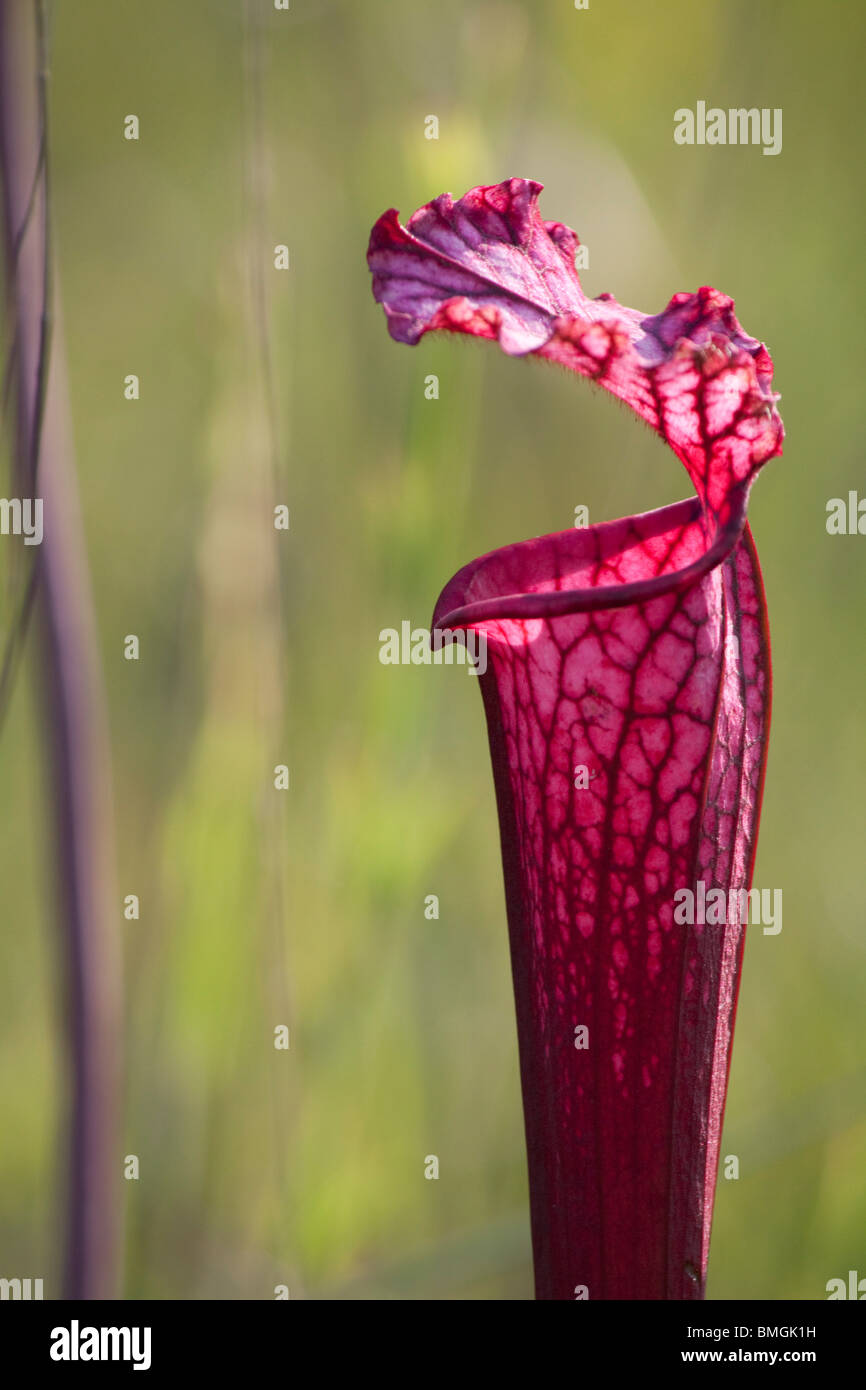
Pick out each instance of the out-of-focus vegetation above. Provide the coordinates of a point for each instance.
(306, 908)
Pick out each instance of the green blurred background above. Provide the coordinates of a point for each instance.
(306, 908)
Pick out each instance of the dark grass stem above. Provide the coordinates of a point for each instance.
(75, 722)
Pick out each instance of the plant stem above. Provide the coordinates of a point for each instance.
(74, 705)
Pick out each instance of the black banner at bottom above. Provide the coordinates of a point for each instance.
(153, 1338)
